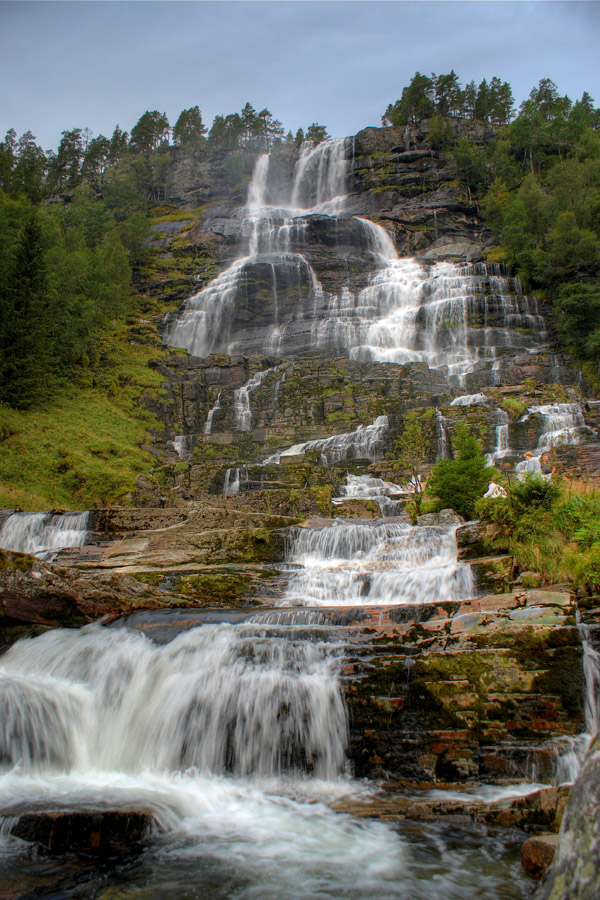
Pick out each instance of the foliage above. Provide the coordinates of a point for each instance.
(411, 447)
(457, 483)
(442, 95)
(189, 129)
(550, 529)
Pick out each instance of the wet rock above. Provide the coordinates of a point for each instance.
(105, 833)
(537, 854)
(471, 540)
(575, 870)
(444, 517)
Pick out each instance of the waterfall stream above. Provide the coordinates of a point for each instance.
(43, 534)
(382, 563)
(453, 317)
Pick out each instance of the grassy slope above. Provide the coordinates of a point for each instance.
(84, 448)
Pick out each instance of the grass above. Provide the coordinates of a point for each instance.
(85, 447)
(560, 539)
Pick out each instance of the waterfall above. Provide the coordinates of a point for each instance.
(442, 442)
(241, 399)
(364, 443)
(365, 487)
(43, 534)
(470, 400)
(222, 698)
(452, 317)
(355, 564)
(232, 482)
(211, 414)
(562, 423)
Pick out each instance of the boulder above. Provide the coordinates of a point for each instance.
(537, 853)
(105, 833)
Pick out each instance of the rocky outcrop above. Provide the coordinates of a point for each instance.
(483, 689)
(575, 870)
(90, 834)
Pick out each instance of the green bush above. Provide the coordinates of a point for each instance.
(458, 483)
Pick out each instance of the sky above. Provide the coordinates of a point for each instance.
(80, 64)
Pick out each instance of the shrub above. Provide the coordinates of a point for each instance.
(458, 483)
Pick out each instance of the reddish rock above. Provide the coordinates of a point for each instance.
(537, 853)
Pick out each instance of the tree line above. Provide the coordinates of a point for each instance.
(26, 169)
(443, 95)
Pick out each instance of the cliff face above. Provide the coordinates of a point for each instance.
(336, 285)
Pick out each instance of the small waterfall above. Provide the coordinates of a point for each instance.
(364, 443)
(320, 177)
(562, 423)
(502, 447)
(241, 399)
(211, 414)
(470, 400)
(243, 699)
(442, 441)
(232, 482)
(180, 444)
(355, 564)
(44, 534)
(365, 487)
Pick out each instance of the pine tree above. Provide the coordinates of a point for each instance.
(24, 329)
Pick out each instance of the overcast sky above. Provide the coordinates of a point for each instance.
(76, 64)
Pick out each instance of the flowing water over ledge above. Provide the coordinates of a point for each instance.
(215, 733)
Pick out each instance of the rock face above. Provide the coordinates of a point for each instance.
(472, 690)
(575, 870)
(96, 834)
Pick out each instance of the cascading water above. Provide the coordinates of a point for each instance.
(43, 534)
(220, 698)
(211, 414)
(365, 487)
(364, 443)
(241, 399)
(562, 423)
(200, 732)
(453, 317)
(355, 564)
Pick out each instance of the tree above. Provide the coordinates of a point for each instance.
(30, 168)
(65, 168)
(416, 103)
(24, 323)
(189, 129)
(579, 319)
(457, 483)
(150, 132)
(118, 145)
(96, 158)
(316, 133)
(501, 103)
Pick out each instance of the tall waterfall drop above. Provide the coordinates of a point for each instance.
(270, 300)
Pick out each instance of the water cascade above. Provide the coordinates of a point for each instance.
(562, 423)
(454, 317)
(219, 698)
(43, 534)
(241, 399)
(211, 414)
(364, 443)
(355, 564)
(365, 487)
